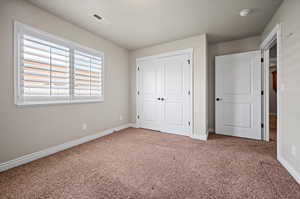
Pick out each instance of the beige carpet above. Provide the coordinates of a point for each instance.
(139, 164)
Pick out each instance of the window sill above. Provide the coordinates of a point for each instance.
(61, 102)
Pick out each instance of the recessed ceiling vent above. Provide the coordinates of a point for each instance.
(97, 17)
(245, 12)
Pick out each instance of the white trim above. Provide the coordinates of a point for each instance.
(168, 54)
(134, 125)
(266, 97)
(202, 137)
(276, 34)
(271, 37)
(290, 168)
(46, 152)
(189, 52)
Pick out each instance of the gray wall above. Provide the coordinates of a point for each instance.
(288, 14)
(237, 46)
(199, 44)
(29, 129)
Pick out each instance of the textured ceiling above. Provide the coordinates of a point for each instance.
(138, 23)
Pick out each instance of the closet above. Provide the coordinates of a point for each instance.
(164, 92)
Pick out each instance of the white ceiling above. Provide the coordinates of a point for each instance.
(138, 23)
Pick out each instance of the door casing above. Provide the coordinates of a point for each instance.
(275, 34)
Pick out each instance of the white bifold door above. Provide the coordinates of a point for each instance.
(164, 94)
(238, 95)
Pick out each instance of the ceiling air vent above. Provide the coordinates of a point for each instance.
(97, 16)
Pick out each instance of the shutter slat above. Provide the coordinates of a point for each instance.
(92, 89)
(42, 70)
(82, 80)
(30, 74)
(50, 55)
(44, 43)
(86, 56)
(38, 63)
(45, 86)
(36, 48)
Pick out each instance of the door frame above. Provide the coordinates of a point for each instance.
(275, 34)
(188, 52)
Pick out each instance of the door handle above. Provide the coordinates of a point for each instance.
(162, 99)
(219, 99)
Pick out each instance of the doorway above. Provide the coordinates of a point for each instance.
(273, 92)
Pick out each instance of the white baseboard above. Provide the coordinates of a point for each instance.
(46, 152)
(290, 168)
(134, 125)
(200, 137)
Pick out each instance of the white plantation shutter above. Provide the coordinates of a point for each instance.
(45, 68)
(52, 70)
(87, 75)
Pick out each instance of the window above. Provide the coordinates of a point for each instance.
(51, 70)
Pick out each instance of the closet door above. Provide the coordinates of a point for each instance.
(149, 104)
(164, 94)
(176, 93)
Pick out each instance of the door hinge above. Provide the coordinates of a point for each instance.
(189, 61)
(138, 69)
(189, 123)
(189, 92)
(138, 117)
(262, 125)
(262, 60)
(262, 92)
(138, 92)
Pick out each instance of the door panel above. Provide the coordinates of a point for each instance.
(237, 115)
(176, 84)
(238, 91)
(233, 82)
(174, 113)
(149, 107)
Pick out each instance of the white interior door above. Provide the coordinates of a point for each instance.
(238, 95)
(164, 94)
(149, 106)
(176, 94)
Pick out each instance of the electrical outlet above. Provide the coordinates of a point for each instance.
(121, 117)
(294, 151)
(84, 126)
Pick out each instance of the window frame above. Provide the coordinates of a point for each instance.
(20, 100)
